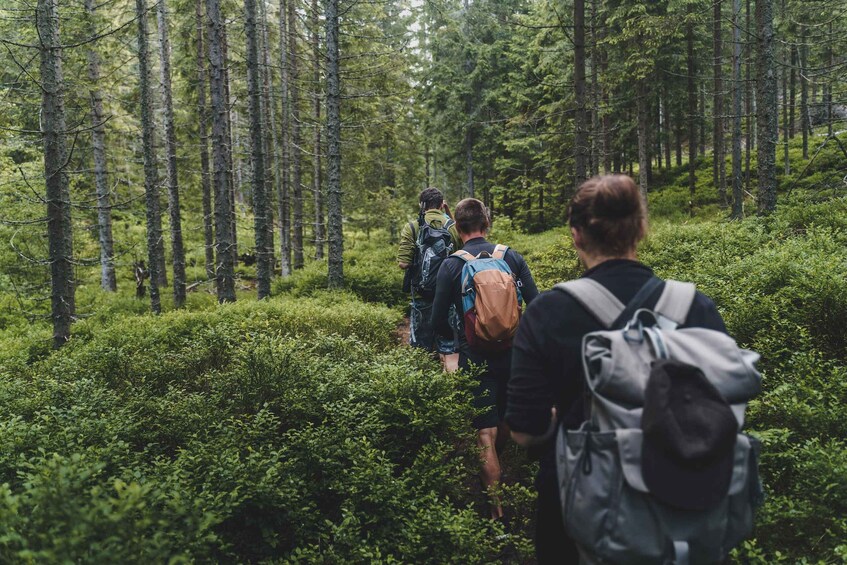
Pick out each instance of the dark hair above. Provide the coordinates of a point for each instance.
(610, 213)
(431, 198)
(471, 216)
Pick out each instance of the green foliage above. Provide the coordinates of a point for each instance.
(286, 429)
(370, 273)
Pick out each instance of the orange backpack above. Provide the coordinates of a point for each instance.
(491, 299)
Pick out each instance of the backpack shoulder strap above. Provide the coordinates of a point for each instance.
(676, 300)
(464, 255)
(499, 251)
(595, 298)
(449, 223)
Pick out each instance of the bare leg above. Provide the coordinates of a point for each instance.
(486, 439)
(450, 362)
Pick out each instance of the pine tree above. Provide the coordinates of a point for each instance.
(177, 249)
(108, 281)
(333, 127)
(151, 174)
(53, 131)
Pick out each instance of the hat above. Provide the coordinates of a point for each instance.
(689, 437)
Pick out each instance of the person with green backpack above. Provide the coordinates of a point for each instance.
(487, 283)
(634, 395)
(424, 245)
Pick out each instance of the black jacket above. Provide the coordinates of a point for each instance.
(546, 367)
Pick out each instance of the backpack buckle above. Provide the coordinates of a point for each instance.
(633, 332)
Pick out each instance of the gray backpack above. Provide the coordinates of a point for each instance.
(659, 472)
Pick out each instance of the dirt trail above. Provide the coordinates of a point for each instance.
(402, 331)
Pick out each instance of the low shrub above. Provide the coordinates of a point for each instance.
(281, 430)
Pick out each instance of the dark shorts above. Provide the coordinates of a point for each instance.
(421, 332)
(489, 394)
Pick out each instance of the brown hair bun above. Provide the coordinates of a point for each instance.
(610, 213)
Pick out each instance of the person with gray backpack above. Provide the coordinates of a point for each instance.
(634, 395)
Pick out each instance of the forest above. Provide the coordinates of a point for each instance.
(201, 315)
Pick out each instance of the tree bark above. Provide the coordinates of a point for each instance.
(151, 186)
(232, 162)
(177, 248)
(701, 122)
(257, 146)
(580, 117)
(766, 106)
(666, 120)
(108, 280)
(828, 85)
(269, 128)
(53, 131)
(785, 134)
(643, 109)
(333, 126)
(719, 169)
(748, 97)
(737, 192)
(296, 153)
(793, 92)
(594, 143)
(225, 271)
(203, 114)
(692, 116)
(316, 160)
(283, 197)
(804, 95)
(469, 162)
(658, 136)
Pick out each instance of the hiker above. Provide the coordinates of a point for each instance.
(473, 223)
(607, 218)
(423, 246)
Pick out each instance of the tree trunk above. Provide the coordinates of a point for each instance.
(643, 109)
(283, 197)
(804, 95)
(98, 144)
(225, 271)
(205, 181)
(658, 136)
(595, 98)
(151, 187)
(53, 131)
(232, 164)
(333, 127)
(678, 144)
(793, 92)
(257, 145)
(296, 153)
(737, 192)
(748, 97)
(692, 117)
(766, 106)
(719, 169)
(828, 85)
(580, 118)
(667, 135)
(785, 134)
(701, 122)
(316, 160)
(469, 162)
(269, 138)
(177, 249)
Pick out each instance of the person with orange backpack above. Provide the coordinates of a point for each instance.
(487, 284)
